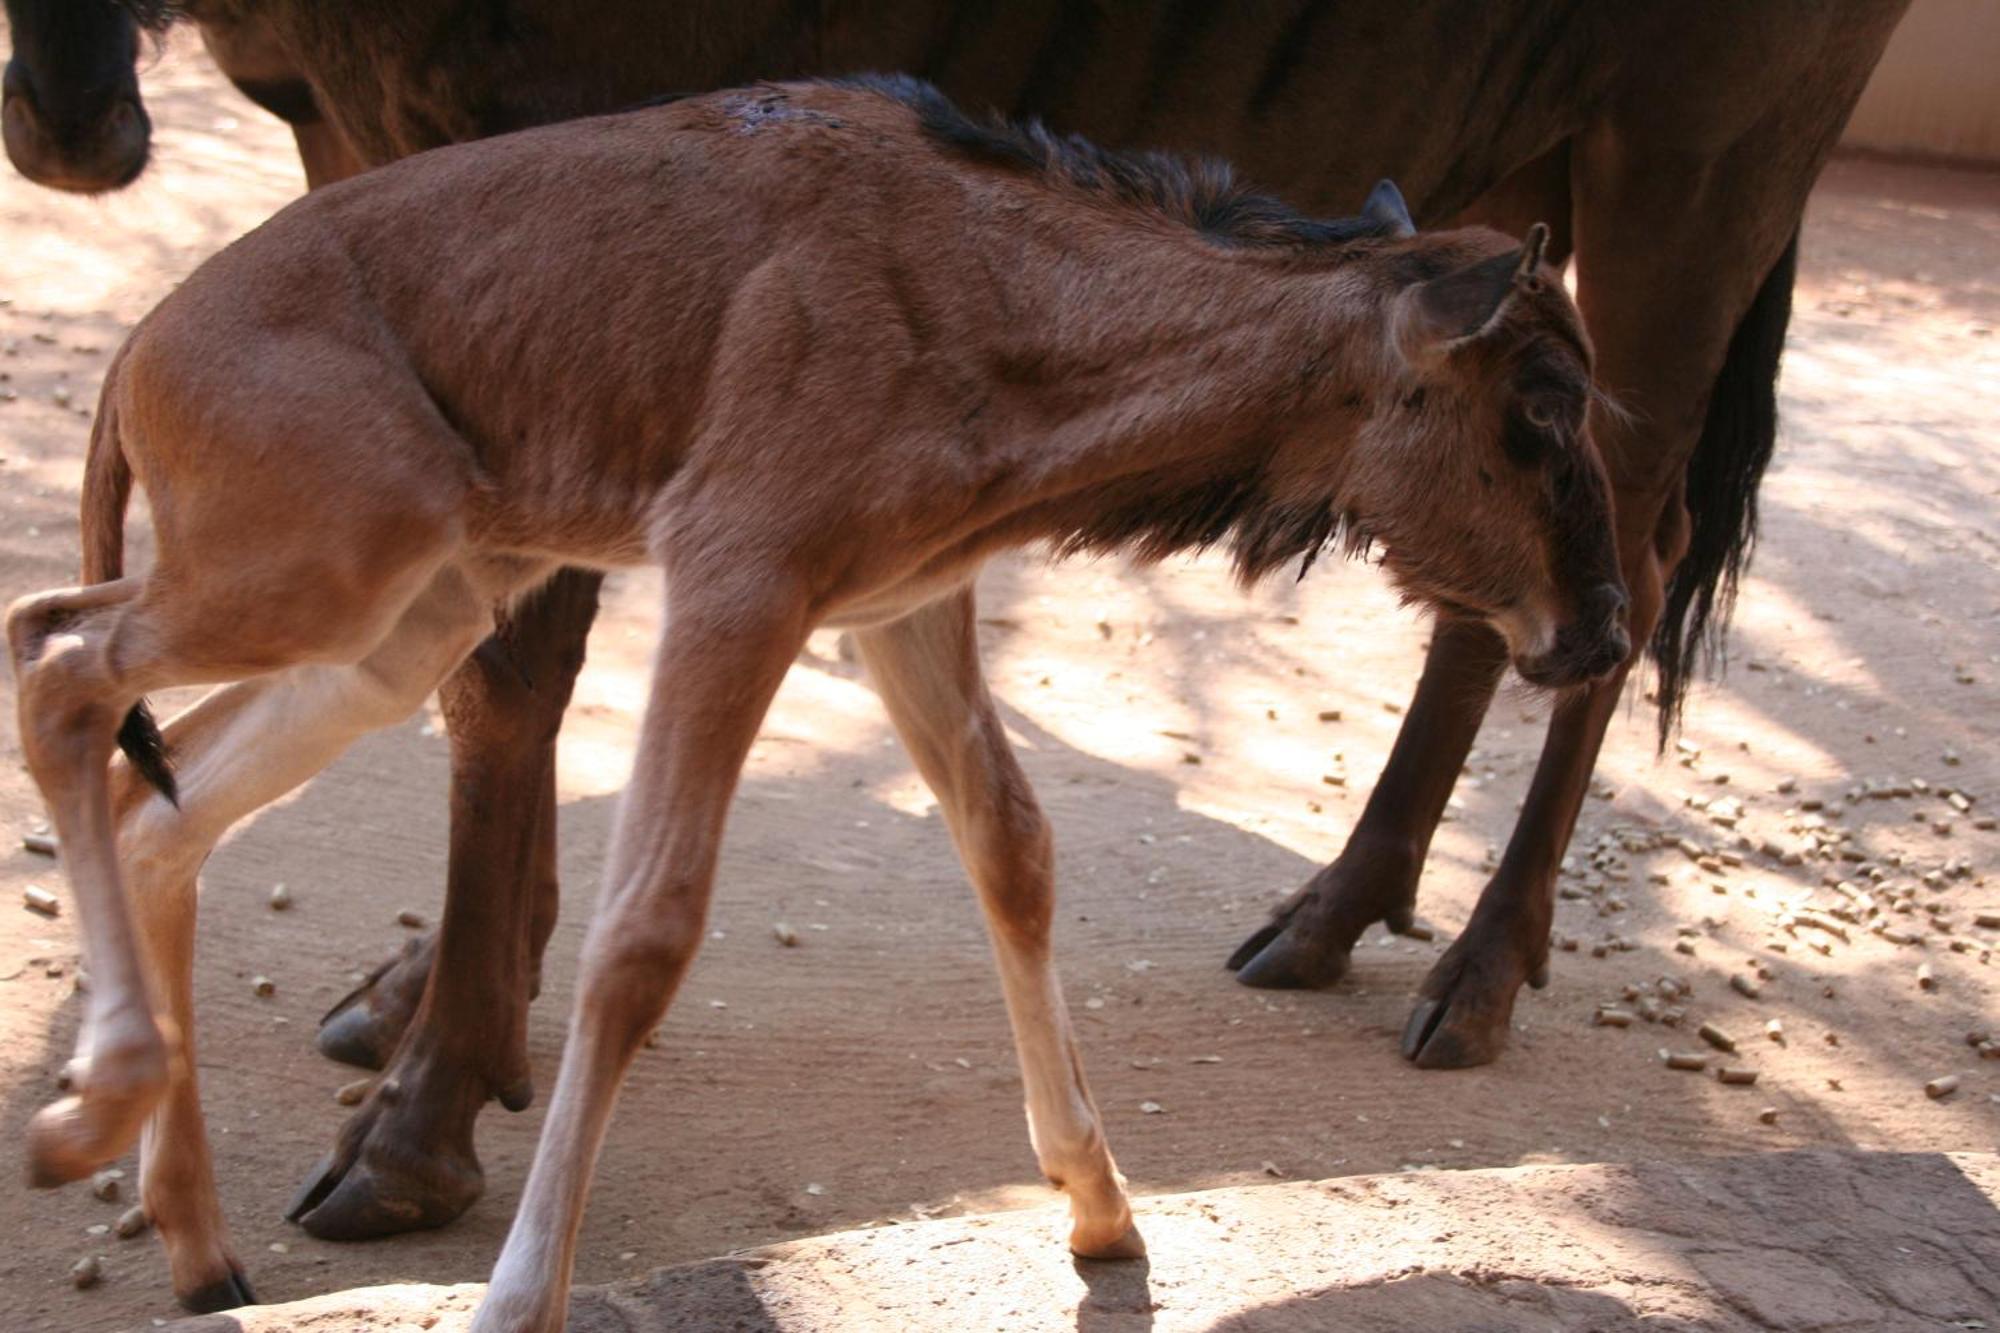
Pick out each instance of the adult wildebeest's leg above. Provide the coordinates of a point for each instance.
(730, 638)
(926, 667)
(502, 711)
(1716, 269)
(1310, 938)
(405, 1159)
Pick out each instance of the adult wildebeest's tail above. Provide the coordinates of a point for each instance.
(1722, 479)
(107, 487)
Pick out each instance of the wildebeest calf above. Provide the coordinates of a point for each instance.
(816, 351)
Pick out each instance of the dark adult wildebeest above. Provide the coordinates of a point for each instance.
(360, 439)
(1672, 147)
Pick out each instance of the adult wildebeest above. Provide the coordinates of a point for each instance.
(628, 341)
(1671, 146)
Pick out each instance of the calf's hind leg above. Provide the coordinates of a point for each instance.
(926, 667)
(235, 752)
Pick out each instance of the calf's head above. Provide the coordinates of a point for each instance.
(1475, 470)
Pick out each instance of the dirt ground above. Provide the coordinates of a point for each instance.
(1173, 728)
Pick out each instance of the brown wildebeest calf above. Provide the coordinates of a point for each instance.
(816, 351)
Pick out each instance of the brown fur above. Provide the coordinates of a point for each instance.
(638, 340)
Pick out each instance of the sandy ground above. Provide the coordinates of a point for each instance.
(1173, 728)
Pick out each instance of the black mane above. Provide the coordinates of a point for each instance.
(1201, 193)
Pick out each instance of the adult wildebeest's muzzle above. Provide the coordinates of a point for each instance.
(103, 146)
(1588, 646)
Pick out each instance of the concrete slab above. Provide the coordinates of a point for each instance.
(1792, 1241)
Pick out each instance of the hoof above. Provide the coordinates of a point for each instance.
(230, 1293)
(389, 1174)
(1309, 942)
(365, 1025)
(1462, 1014)
(1128, 1245)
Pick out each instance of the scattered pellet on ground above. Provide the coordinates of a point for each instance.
(263, 987)
(1685, 1060)
(130, 1223)
(1716, 1037)
(351, 1094)
(104, 1186)
(85, 1272)
(40, 900)
(1608, 1016)
(42, 844)
(280, 899)
(413, 920)
(1736, 1076)
(785, 935)
(1744, 986)
(1768, 1116)
(1942, 1087)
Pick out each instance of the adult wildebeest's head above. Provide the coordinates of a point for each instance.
(1476, 472)
(69, 101)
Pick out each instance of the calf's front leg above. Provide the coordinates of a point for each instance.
(926, 667)
(728, 645)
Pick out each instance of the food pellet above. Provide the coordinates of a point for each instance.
(351, 1094)
(1686, 1060)
(1608, 1017)
(1926, 978)
(785, 935)
(263, 986)
(1736, 1076)
(280, 899)
(1716, 1037)
(1941, 1087)
(42, 844)
(1768, 1116)
(85, 1272)
(130, 1223)
(1744, 986)
(37, 899)
(412, 920)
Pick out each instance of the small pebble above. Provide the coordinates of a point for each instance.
(130, 1223)
(411, 920)
(104, 1186)
(85, 1272)
(280, 899)
(1151, 1108)
(40, 900)
(1941, 1087)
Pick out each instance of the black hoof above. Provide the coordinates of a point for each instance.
(231, 1293)
(1284, 963)
(1462, 1014)
(362, 1201)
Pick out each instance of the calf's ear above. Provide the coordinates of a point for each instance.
(1434, 318)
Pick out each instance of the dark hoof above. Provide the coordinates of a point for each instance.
(1283, 962)
(231, 1293)
(365, 1025)
(1462, 1014)
(364, 1190)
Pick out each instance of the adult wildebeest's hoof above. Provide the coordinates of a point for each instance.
(403, 1161)
(229, 1293)
(365, 1025)
(1309, 941)
(1466, 1003)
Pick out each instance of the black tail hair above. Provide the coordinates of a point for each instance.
(1722, 477)
(139, 737)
